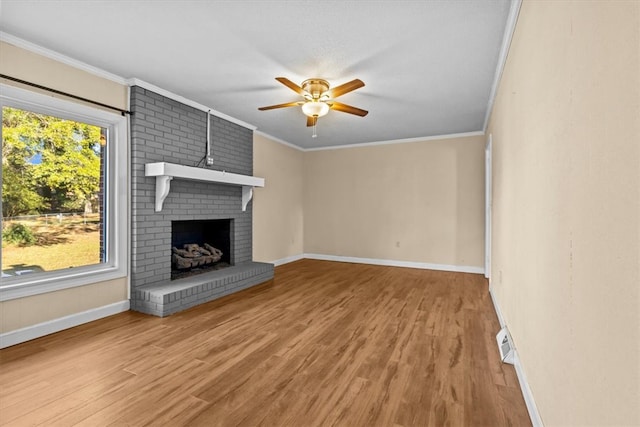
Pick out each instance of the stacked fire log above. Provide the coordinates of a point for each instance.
(194, 255)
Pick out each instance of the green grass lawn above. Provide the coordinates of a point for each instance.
(73, 243)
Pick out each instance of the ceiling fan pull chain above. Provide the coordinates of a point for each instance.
(315, 135)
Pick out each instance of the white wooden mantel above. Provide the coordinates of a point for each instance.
(165, 172)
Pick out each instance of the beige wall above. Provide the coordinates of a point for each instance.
(419, 202)
(277, 208)
(26, 65)
(566, 212)
(23, 312)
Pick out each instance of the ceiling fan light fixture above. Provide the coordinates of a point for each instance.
(319, 99)
(315, 108)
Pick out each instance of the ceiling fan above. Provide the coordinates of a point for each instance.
(319, 98)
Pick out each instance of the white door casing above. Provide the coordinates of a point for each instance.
(487, 204)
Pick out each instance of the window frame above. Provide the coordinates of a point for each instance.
(116, 196)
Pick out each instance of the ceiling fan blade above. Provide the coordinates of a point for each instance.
(311, 121)
(271, 107)
(345, 88)
(338, 106)
(291, 85)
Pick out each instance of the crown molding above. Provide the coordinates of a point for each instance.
(369, 144)
(278, 140)
(399, 141)
(509, 29)
(48, 53)
(186, 101)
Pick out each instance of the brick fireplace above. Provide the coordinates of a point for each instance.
(165, 130)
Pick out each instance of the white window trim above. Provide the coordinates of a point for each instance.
(117, 214)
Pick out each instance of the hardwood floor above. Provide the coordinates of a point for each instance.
(323, 344)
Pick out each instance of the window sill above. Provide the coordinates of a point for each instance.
(26, 286)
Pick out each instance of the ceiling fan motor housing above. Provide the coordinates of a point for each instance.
(315, 87)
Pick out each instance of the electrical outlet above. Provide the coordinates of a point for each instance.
(209, 160)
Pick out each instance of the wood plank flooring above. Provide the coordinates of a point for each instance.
(323, 344)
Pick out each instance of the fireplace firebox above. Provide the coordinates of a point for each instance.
(199, 246)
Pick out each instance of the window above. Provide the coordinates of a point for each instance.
(64, 197)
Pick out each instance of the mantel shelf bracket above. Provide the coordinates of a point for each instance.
(247, 195)
(163, 185)
(165, 172)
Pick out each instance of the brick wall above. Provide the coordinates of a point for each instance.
(164, 130)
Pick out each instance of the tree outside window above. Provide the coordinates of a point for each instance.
(52, 192)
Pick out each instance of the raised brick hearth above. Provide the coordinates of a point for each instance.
(163, 299)
(164, 130)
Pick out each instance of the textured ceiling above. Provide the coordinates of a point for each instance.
(428, 66)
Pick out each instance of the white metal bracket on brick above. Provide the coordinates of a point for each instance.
(165, 172)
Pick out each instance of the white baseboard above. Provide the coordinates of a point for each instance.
(287, 260)
(45, 328)
(526, 392)
(496, 306)
(396, 263)
(536, 420)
